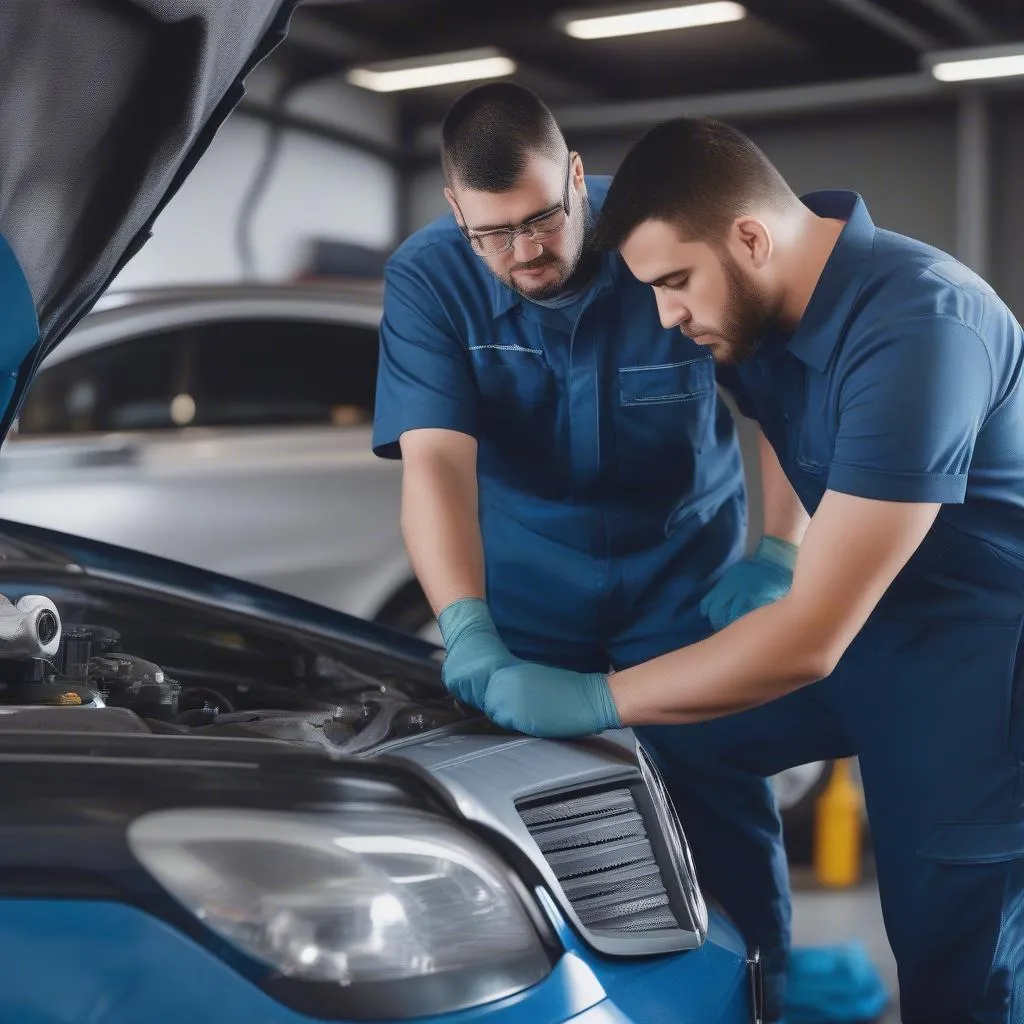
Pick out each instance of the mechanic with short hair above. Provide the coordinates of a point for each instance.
(887, 377)
(572, 485)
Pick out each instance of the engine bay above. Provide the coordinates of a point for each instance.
(49, 664)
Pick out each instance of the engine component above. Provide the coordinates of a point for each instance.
(30, 629)
(129, 682)
(51, 666)
(72, 660)
(369, 719)
(30, 634)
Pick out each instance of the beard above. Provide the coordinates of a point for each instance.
(748, 313)
(569, 270)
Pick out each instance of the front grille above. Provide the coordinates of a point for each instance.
(597, 845)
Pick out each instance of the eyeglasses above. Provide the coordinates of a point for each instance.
(544, 225)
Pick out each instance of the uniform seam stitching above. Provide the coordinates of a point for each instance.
(661, 366)
(685, 396)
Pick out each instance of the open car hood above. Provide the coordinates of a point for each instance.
(105, 108)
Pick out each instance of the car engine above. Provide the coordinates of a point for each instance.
(48, 666)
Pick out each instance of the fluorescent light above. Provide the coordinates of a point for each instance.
(662, 19)
(980, 67)
(971, 65)
(423, 72)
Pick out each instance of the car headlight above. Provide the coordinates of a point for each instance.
(366, 897)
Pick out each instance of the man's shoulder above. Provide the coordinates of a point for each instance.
(437, 253)
(910, 279)
(440, 234)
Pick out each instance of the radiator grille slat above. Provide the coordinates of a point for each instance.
(598, 848)
(590, 832)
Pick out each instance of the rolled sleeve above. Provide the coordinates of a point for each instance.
(424, 379)
(911, 405)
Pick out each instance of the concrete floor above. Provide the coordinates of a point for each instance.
(826, 916)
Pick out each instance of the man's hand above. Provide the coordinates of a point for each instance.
(852, 552)
(755, 581)
(550, 702)
(475, 651)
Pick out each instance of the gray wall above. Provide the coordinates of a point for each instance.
(1007, 267)
(426, 200)
(318, 188)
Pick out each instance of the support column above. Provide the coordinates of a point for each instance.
(973, 181)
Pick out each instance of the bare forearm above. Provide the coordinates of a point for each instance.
(441, 527)
(784, 515)
(757, 658)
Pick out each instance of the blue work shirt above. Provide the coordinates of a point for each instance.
(599, 431)
(902, 382)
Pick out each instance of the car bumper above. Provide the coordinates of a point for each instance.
(71, 961)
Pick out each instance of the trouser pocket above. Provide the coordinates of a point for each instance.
(962, 945)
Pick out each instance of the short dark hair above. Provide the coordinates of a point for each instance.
(488, 134)
(695, 173)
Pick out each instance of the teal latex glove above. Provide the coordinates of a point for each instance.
(475, 651)
(755, 581)
(550, 702)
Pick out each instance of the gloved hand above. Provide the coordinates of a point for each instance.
(755, 581)
(475, 651)
(544, 701)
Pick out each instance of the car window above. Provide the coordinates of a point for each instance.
(263, 372)
(130, 385)
(225, 373)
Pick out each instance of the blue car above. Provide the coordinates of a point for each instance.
(223, 804)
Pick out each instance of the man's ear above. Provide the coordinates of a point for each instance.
(752, 241)
(577, 170)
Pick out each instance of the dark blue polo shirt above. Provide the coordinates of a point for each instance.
(598, 429)
(902, 382)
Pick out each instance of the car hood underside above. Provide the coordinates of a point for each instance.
(105, 108)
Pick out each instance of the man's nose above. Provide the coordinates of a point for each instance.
(524, 249)
(671, 311)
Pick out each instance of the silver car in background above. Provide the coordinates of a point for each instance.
(229, 428)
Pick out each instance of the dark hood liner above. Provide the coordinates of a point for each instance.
(105, 107)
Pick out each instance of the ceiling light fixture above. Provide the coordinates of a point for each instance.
(424, 72)
(661, 19)
(977, 64)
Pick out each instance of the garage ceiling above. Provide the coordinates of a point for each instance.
(779, 43)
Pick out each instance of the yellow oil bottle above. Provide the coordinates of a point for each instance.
(838, 828)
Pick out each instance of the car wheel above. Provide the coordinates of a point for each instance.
(408, 611)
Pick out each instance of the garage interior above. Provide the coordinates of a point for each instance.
(327, 165)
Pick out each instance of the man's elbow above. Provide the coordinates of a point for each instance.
(818, 657)
(816, 649)
(818, 663)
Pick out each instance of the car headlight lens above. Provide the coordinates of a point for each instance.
(365, 897)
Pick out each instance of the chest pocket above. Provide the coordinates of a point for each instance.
(665, 419)
(667, 383)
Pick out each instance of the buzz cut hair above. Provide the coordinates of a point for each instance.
(490, 132)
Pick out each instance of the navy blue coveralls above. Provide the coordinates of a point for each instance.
(902, 382)
(610, 483)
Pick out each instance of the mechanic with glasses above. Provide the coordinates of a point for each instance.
(573, 491)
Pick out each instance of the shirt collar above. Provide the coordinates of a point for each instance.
(504, 298)
(832, 300)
